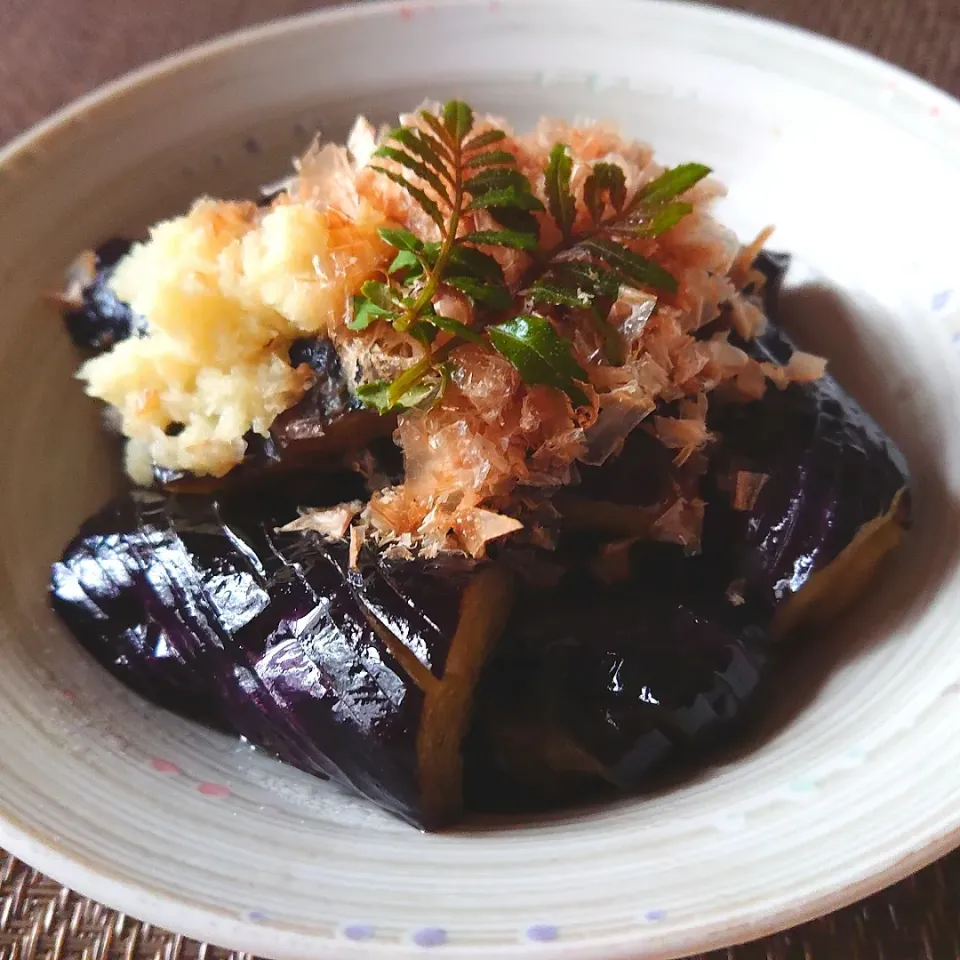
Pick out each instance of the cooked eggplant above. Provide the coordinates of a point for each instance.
(95, 317)
(805, 494)
(362, 675)
(606, 686)
(831, 497)
(326, 430)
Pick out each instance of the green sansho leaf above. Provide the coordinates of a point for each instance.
(560, 200)
(414, 165)
(612, 340)
(425, 331)
(490, 158)
(364, 313)
(449, 325)
(448, 172)
(519, 221)
(471, 262)
(484, 139)
(432, 153)
(597, 280)
(606, 184)
(379, 294)
(507, 197)
(497, 178)
(515, 239)
(637, 270)
(405, 260)
(549, 291)
(428, 205)
(491, 294)
(376, 395)
(458, 119)
(540, 354)
(401, 239)
(671, 183)
(662, 218)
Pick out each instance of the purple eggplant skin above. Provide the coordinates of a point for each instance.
(606, 687)
(203, 607)
(101, 319)
(831, 471)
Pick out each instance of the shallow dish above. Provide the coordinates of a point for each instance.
(853, 785)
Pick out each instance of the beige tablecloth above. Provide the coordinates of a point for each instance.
(51, 51)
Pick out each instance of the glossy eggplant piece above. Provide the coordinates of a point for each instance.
(327, 430)
(605, 687)
(365, 675)
(97, 319)
(834, 499)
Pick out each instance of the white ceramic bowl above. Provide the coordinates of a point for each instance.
(856, 784)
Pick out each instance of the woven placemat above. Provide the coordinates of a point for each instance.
(51, 51)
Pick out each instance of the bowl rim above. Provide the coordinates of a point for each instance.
(96, 882)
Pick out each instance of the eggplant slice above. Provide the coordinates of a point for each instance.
(606, 687)
(365, 676)
(326, 430)
(830, 495)
(834, 499)
(94, 316)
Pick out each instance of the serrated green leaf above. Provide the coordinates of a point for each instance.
(606, 184)
(431, 151)
(415, 166)
(470, 262)
(540, 354)
(405, 260)
(655, 221)
(560, 200)
(671, 183)
(434, 123)
(665, 217)
(509, 197)
(491, 294)
(449, 325)
(365, 312)
(547, 291)
(631, 265)
(514, 239)
(424, 331)
(429, 206)
(519, 221)
(612, 340)
(596, 279)
(457, 119)
(379, 294)
(376, 395)
(490, 159)
(497, 178)
(445, 370)
(401, 239)
(484, 139)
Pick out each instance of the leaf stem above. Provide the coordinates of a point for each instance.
(413, 375)
(433, 278)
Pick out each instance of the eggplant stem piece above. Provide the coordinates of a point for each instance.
(484, 610)
(833, 589)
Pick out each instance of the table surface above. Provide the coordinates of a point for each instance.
(52, 51)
